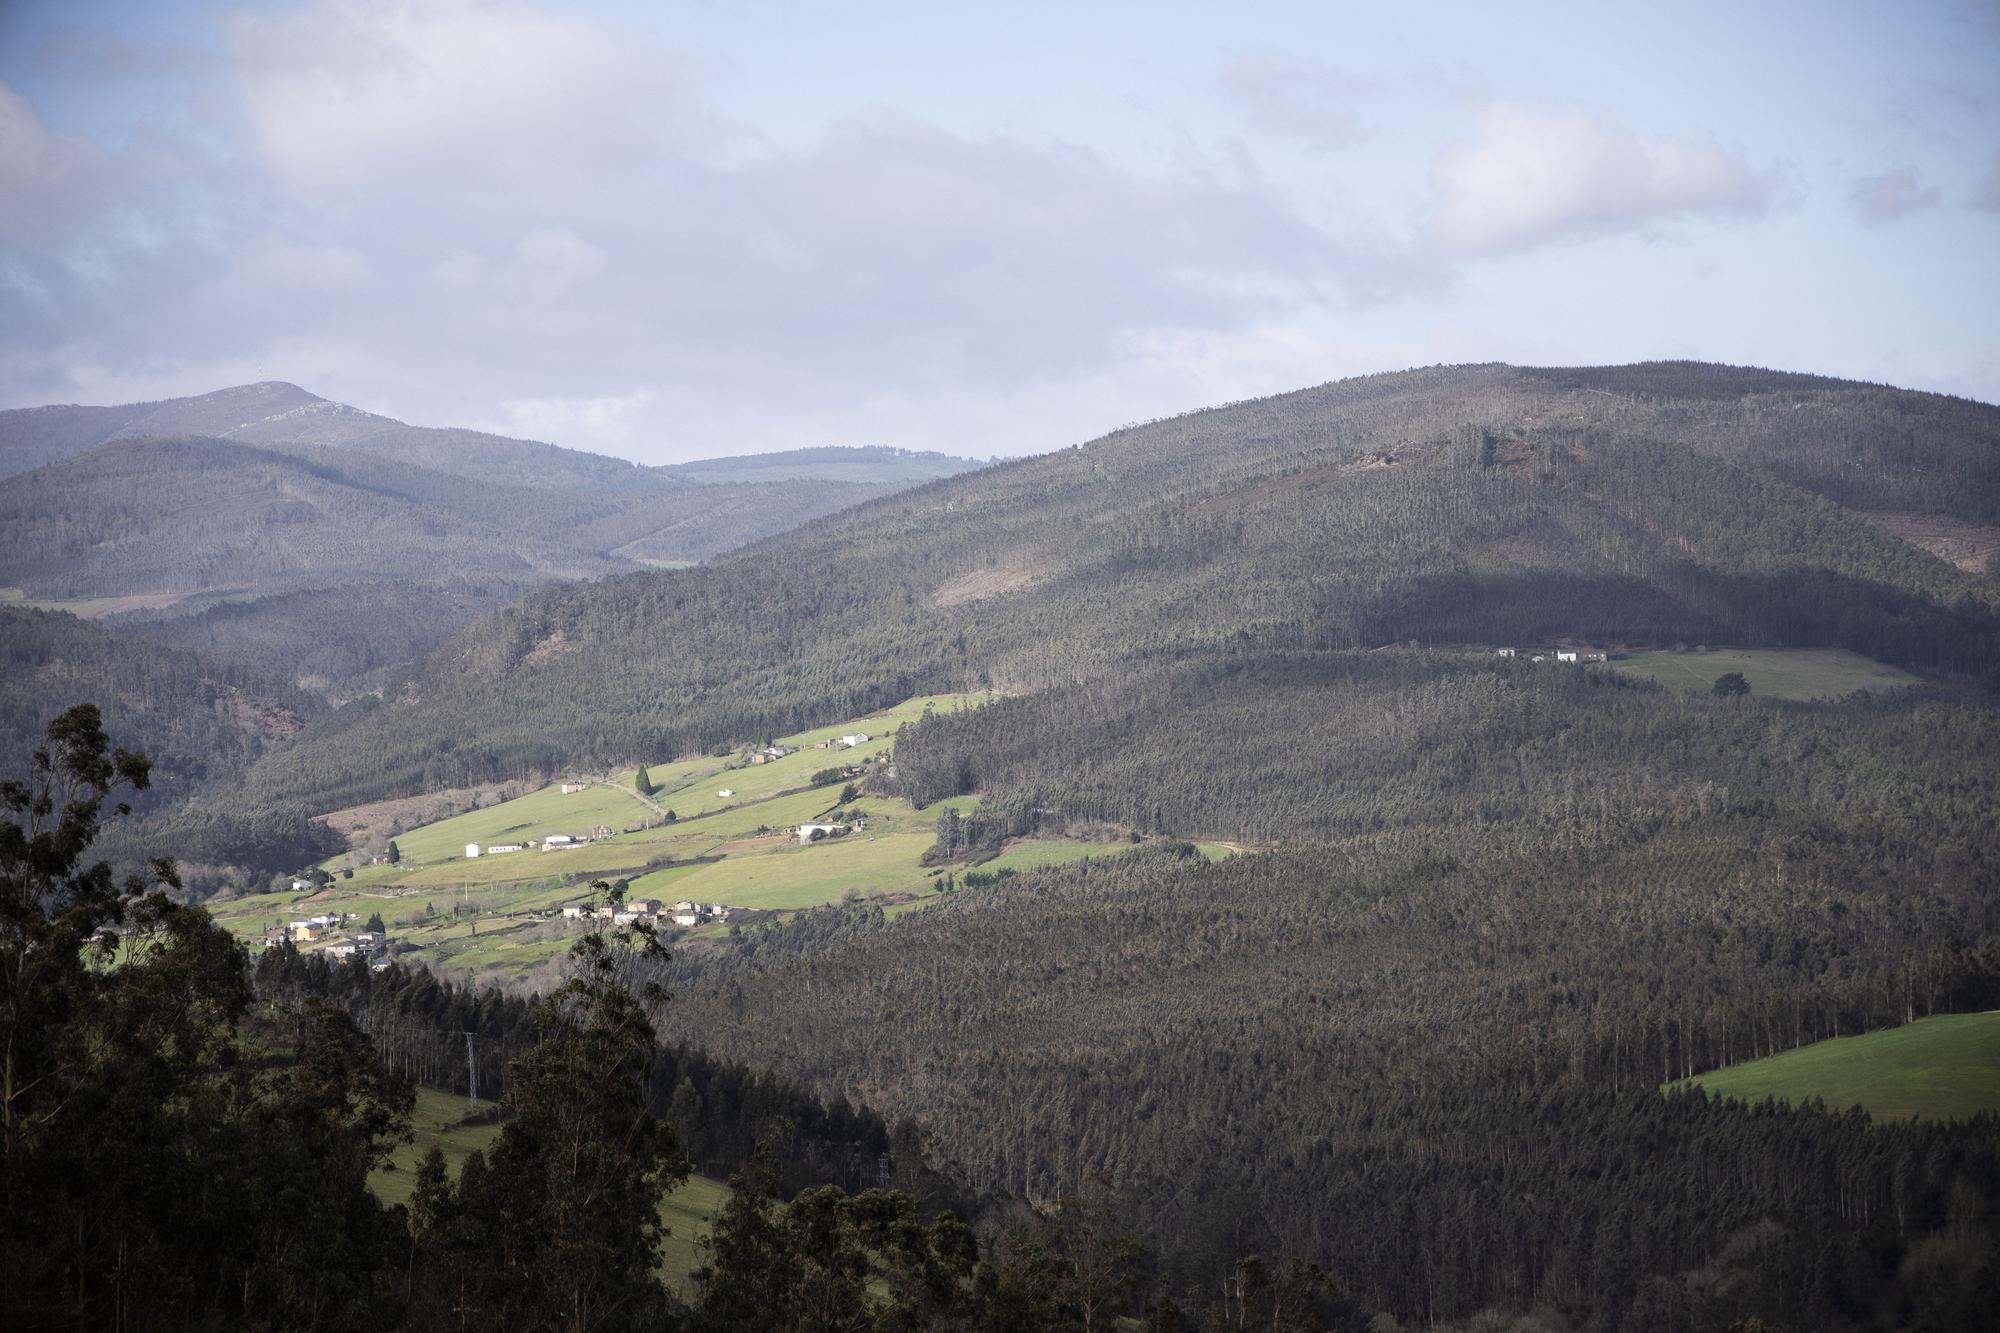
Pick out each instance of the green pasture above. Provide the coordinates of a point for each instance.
(807, 875)
(437, 1121)
(687, 1212)
(1941, 1068)
(1776, 673)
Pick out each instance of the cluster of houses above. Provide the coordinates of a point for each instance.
(1561, 655)
(847, 742)
(553, 842)
(682, 913)
(324, 930)
(770, 753)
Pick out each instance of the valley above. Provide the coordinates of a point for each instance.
(1160, 822)
(499, 916)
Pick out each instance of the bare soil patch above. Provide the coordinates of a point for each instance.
(1967, 545)
(979, 584)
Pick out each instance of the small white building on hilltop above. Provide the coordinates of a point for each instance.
(471, 850)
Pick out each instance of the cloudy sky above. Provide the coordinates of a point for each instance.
(669, 230)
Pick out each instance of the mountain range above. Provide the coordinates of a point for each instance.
(268, 525)
(1660, 503)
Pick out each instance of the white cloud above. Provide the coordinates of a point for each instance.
(45, 176)
(1296, 99)
(493, 94)
(1877, 200)
(1530, 177)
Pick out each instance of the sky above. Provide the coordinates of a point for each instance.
(677, 230)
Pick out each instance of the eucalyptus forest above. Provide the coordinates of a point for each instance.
(1410, 912)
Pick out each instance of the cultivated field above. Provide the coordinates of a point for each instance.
(1776, 673)
(497, 917)
(1941, 1068)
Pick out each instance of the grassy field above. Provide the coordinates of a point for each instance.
(1777, 673)
(1941, 1068)
(92, 608)
(493, 917)
(436, 1121)
(687, 1212)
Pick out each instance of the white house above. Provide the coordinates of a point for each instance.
(301, 885)
(1565, 654)
(471, 850)
(569, 788)
(854, 738)
(1503, 652)
(806, 831)
(576, 911)
(495, 848)
(726, 791)
(557, 840)
(687, 918)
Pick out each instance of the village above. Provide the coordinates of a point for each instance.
(696, 848)
(1564, 655)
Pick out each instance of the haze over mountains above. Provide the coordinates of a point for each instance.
(265, 523)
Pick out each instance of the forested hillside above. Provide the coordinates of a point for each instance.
(202, 720)
(1478, 505)
(280, 529)
(1416, 1034)
(1407, 1048)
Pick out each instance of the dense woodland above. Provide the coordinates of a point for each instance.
(1403, 1055)
(184, 1148)
(1469, 505)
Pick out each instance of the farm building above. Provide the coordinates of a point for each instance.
(471, 850)
(569, 788)
(726, 791)
(854, 738)
(555, 840)
(1503, 652)
(1565, 654)
(495, 848)
(807, 831)
(576, 911)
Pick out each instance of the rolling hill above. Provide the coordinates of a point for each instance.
(1415, 1032)
(1469, 505)
(265, 523)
